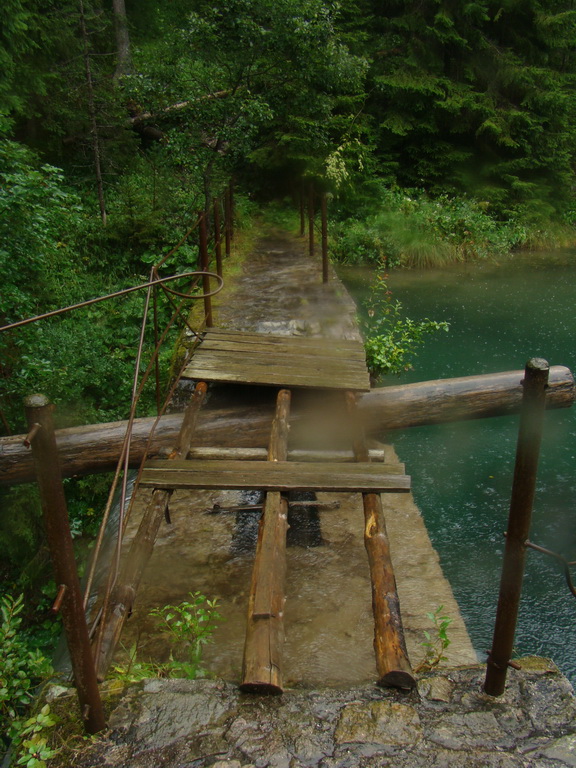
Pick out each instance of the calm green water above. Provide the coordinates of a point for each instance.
(462, 473)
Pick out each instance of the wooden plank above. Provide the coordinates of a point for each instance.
(221, 334)
(280, 361)
(281, 353)
(270, 476)
(262, 662)
(392, 660)
(243, 346)
(255, 454)
(272, 378)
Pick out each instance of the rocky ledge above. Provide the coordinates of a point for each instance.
(447, 721)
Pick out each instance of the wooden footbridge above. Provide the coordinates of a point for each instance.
(286, 363)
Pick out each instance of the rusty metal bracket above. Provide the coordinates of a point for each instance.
(561, 559)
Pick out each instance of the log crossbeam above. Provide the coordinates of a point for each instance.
(262, 664)
(392, 662)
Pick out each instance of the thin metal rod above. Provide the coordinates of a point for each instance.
(562, 560)
(45, 453)
(114, 295)
(519, 519)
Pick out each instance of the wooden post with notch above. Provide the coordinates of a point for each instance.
(392, 663)
(262, 666)
(45, 452)
(124, 592)
(519, 519)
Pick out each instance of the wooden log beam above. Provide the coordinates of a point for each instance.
(392, 662)
(124, 592)
(96, 447)
(262, 664)
(459, 399)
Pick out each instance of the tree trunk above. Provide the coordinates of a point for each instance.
(122, 39)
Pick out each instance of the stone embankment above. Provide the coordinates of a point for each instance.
(448, 721)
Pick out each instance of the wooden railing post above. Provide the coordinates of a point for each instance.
(302, 206)
(217, 236)
(311, 219)
(228, 221)
(45, 453)
(204, 263)
(324, 209)
(523, 489)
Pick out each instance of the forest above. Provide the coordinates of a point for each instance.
(440, 130)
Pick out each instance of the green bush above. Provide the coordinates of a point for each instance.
(408, 228)
(391, 338)
(22, 668)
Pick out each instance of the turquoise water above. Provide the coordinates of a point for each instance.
(462, 473)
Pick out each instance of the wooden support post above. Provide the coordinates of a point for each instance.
(302, 206)
(124, 592)
(205, 263)
(520, 515)
(324, 209)
(311, 220)
(262, 666)
(45, 454)
(217, 236)
(228, 221)
(392, 663)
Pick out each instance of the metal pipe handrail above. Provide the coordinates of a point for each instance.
(123, 292)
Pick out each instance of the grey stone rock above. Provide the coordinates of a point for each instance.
(562, 749)
(469, 730)
(436, 688)
(380, 722)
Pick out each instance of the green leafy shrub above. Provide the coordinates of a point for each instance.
(22, 668)
(409, 228)
(437, 641)
(391, 338)
(189, 625)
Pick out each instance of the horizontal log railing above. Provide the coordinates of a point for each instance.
(96, 447)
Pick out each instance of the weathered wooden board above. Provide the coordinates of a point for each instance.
(272, 476)
(290, 361)
(325, 350)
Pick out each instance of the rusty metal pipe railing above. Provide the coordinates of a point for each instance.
(116, 294)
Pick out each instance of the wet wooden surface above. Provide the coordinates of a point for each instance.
(290, 361)
(275, 476)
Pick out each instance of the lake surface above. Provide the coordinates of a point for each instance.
(500, 316)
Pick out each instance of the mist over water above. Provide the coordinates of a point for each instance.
(499, 317)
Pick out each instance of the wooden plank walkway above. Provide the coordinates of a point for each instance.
(275, 476)
(287, 361)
